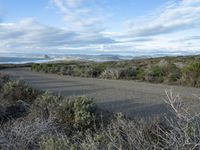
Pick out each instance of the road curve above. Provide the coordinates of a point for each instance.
(132, 98)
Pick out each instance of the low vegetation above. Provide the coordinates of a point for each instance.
(191, 74)
(169, 70)
(12, 91)
(44, 121)
(4, 66)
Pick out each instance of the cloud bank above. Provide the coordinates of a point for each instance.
(175, 27)
(176, 16)
(29, 35)
(78, 16)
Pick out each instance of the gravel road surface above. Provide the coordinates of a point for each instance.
(132, 98)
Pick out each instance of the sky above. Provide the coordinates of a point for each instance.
(99, 27)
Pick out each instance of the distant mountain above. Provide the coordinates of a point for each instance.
(37, 58)
(98, 58)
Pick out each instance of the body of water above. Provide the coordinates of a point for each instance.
(21, 60)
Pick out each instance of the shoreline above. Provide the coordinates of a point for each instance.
(62, 60)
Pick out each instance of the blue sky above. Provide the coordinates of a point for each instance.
(99, 26)
(15, 10)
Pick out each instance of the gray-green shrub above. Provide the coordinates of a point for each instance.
(12, 91)
(156, 74)
(3, 79)
(156, 70)
(78, 111)
(191, 74)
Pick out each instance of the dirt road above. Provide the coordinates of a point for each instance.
(130, 97)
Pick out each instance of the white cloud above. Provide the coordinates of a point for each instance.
(28, 35)
(79, 17)
(175, 17)
(172, 28)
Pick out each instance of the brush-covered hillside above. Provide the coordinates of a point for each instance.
(182, 70)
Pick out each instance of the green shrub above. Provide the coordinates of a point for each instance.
(46, 68)
(97, 69)
(84, 109)
(3, 79)
(113, 73)
(65, 111)
(36, 67)
(119, 73)
(66, 70)
(46, 99)
(156, 74)
(140, 75)
(130, 72)
(77, 71)
(13, 91)
(167, 72)
(191, 74)
(44, 106)
(173, 73)
(78, 111)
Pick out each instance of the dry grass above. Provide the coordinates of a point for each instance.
(180, 132)
(23, 135)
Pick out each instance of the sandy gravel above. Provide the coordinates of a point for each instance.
(130, 97)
